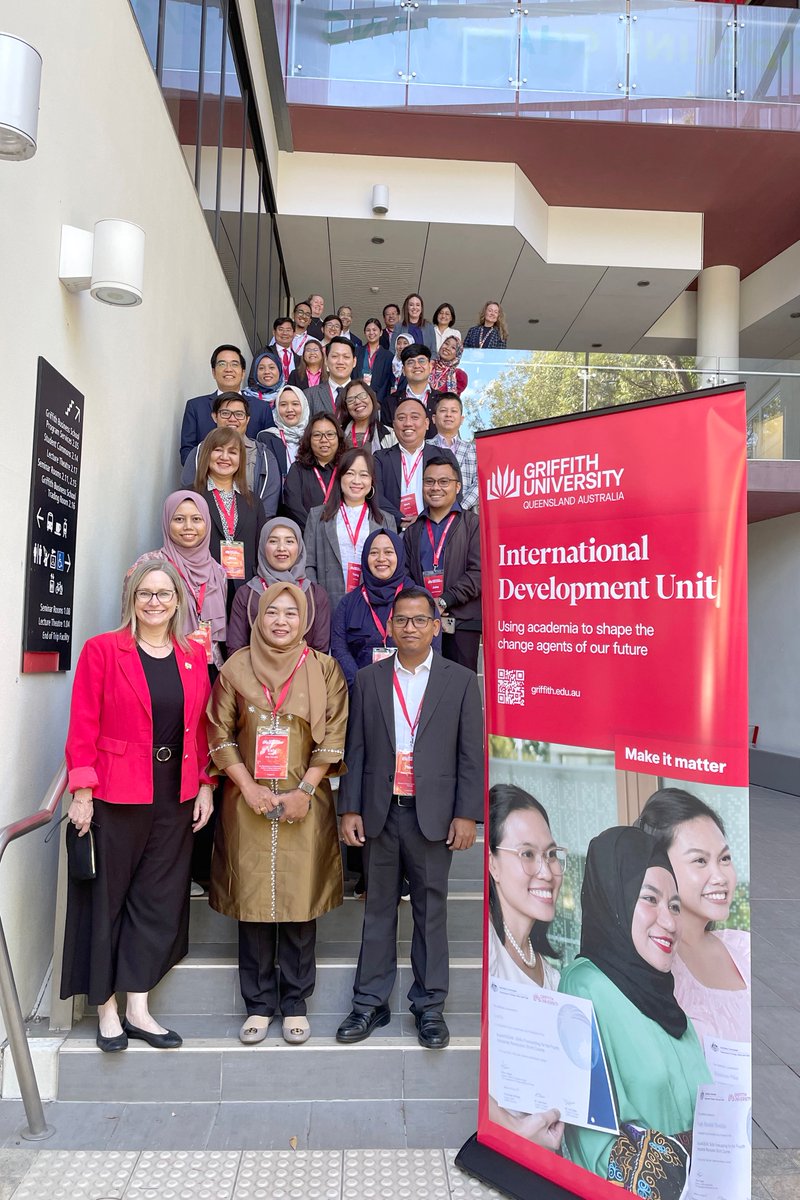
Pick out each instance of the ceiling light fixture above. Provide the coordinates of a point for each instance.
(597, 345)
(533, 320)
(643, 283)
(20, 81)
(794, 316)
(376, 241)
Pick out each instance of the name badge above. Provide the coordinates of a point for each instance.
(367, 376)
(381, 652)
(231, 556)
(408, 506)
(404, 773)
(353, 576)
(434, 582)
(202, 635)
(272, 754)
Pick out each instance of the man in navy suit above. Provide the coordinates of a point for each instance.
(228, 367)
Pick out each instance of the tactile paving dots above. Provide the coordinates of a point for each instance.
(290, 1175)
(464, 1187)
(77, 1175)
(395, 1175)
(184, 1175)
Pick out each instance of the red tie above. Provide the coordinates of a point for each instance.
(286, 361)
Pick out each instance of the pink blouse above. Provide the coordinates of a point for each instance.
(717, 1011)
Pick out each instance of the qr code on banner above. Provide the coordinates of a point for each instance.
(510, 686)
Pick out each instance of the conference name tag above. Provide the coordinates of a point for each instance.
(353, 576)
(202, 635)
(381, 652)
(231, 556)
(434, 582)
(404, 773)
(408, 506)
(272, 754)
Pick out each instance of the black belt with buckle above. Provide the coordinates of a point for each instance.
(163, 754)
(404, 801)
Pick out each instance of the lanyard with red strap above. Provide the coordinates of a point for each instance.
(354, 437)
(378, 625)
(353, 536)
(438, 547)
(409, 475)
(228, 517)
(198, 596)
(399, 693)
(326, 491)
(371, 357)
(285, 689)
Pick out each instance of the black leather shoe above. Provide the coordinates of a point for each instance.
(432, 1031)
(161, 1041)
(113, 1044)
(359, 1025)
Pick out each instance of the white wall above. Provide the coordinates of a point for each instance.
(106, 149)
(774, 569)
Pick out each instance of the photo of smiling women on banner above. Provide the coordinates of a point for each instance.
(526, 868)
(712, 966)
(629, 937)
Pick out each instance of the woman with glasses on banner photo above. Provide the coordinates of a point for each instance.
(712, 966)
(526, 870)
(630, 930)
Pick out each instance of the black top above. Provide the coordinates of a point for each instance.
(166, 698)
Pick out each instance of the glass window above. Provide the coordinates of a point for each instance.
(146, 13)
(181, 71)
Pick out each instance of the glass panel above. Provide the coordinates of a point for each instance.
(247, 294)
(463, 54)
(335, 50)
(181, 69)
(213, 104)
(264, 314)
(768, 52)
(572, 49)
(146, 13)
(681, 50)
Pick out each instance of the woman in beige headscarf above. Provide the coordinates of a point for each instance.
(277, 719)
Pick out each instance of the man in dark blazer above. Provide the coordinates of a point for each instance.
(412, 795)
(399, 470)
(345, 315)
(228, 367)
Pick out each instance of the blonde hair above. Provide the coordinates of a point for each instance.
(501, 326)
(178, 620)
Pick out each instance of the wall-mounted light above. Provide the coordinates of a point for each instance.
(380, 198)
(20, 80)
(109, 262)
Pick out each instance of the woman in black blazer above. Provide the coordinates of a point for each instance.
(310, 478)
(374, 363)
(236, 517)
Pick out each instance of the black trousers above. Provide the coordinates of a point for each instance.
(462, 647)
(277, 966)
(401, 849)
(129, 926)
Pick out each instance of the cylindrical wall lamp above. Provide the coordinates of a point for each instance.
(20, 79)
(118, 263)
(380, 198)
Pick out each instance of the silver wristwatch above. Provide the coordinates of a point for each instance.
(308, 788)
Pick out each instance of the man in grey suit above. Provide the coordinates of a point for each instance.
(411, 796)
(341, 360)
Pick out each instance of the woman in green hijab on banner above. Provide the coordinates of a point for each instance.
(629, 936)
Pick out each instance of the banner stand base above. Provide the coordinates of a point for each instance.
(497, 1171)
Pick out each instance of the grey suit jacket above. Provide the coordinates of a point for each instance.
(448, 749)
(319, 400)
(323, 560)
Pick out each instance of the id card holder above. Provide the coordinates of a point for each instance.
(408, 507)
(404, 773)
(231, 556)
(366, 376)
(434, 582)
(381, 652)
(202, 635)
(353, 576)
(272, 753)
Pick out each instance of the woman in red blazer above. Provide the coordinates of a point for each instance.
(137, 756)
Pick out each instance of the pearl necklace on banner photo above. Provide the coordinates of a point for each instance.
(530, 961)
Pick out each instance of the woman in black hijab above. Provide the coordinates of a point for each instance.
(629, 936)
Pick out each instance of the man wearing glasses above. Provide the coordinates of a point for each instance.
(228, 367)
(411, 796)
(232, 411)
(443, 552)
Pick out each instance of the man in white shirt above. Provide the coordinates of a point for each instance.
(399, 469)
(345, 315)
(302, 320)
(448, 417)
(341, 360)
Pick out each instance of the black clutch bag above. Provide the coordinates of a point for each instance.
(81, 852)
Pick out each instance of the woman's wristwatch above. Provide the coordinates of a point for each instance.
(308, 788)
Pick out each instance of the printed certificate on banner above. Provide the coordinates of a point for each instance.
(721, 1146)
(730, 1063)
(545, 1053)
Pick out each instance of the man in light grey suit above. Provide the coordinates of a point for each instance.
(341, 360)
(412, 794)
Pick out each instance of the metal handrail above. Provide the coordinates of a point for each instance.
(37, 1129)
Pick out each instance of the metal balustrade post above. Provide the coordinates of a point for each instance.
(37, 1128)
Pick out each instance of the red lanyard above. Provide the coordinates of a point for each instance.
(354, 437)
(299, 349)
(437, 547)
(402, 699)
(371, 357)
(353, 536)
(326, 491)
(198, 597)
(286, 363)
(228, 517)
(285, 689)
(380, 628)
(409, 475)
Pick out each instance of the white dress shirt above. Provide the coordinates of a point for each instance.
(412, 685)
(414, 485)
(348, 553)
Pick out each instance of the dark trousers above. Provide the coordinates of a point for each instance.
(277, 966)
(400, 850)
(462, 647)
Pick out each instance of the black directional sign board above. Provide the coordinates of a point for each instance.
(52, 522)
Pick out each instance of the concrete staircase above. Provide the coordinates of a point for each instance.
(386, 1091)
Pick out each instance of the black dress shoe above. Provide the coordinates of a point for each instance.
(432, 1031)
(112, 1045)
(359, 1025)
(161, 1041)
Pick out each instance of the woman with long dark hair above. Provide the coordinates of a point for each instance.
(358, 412)
(311, 370)
(412, 322)
(311, 476)
(444, 322)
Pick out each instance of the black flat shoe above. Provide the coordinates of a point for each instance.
(112, 1045)
(359, 1025)
(161, 1041)
(432, 1031)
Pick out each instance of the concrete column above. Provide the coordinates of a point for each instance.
(718, 314)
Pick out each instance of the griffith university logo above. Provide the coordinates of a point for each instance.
(503, 484)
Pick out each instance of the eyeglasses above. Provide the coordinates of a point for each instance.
(224, 363)
(323, 437)
(442, 483)
(532, 861)
(145, 596)
(233, 414)
(418, 622)
(358, 396)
